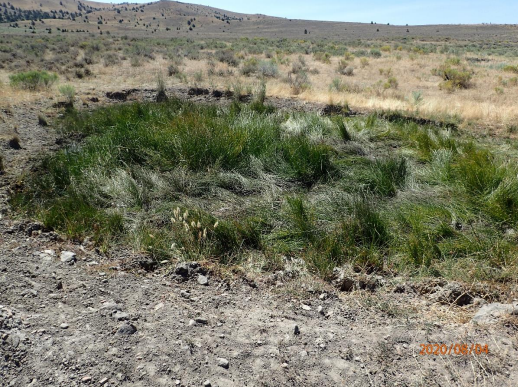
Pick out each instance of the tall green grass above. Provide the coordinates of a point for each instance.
(180, 180)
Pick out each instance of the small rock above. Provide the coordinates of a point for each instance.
(477, 301)
(284, 365)
(45, 257)
(182, 269)
(127, 329)
(110, 305)
(223, 362)
(64, 326)
(59, 285)
(86, 379)
(207, 383)
(103, 381)
(15, 340)
(320, 310)
(191, 323)
(490, 313)
(201, 320)
(120, 316)
(323, 296)
(296, 330)
(185, 294)
(306, 307)
(453, 293)
(68, 257)
(203, 280)
(159, 306)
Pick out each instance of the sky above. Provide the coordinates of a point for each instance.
(401, 12)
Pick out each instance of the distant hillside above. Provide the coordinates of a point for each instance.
(174, 19)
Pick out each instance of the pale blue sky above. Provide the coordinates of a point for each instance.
(381, 11)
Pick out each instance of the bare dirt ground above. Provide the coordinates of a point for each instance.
(102, 320)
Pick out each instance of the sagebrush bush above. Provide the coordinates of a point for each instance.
(337, 85)
(511, 69)
(33, 80)
(453, 78)
(173, 69)
(299, 83)
(249, 66)
(323, 57)
(69, 92)
(268, 69)
(228, 57)
(391, 83)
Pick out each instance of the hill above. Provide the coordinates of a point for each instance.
(175, 19)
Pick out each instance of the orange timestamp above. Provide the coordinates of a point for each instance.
(453, 349)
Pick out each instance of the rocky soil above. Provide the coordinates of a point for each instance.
(71, 316)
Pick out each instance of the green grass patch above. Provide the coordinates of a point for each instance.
(177, 180)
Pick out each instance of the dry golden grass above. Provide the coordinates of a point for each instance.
(488, 103)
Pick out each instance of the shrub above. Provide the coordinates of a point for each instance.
(453, 78)
(198, 76)
(228, 57)
(453, 61)
(323, 57)
(375, 53)
(511, 69)
(344, 68)
(111, 59)
(69, 92)
(249, 67)
(391, 83)
(300, 83)
(33, 80)
(337, 85)
(268, 69)
(364, 62)
(173, 69)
